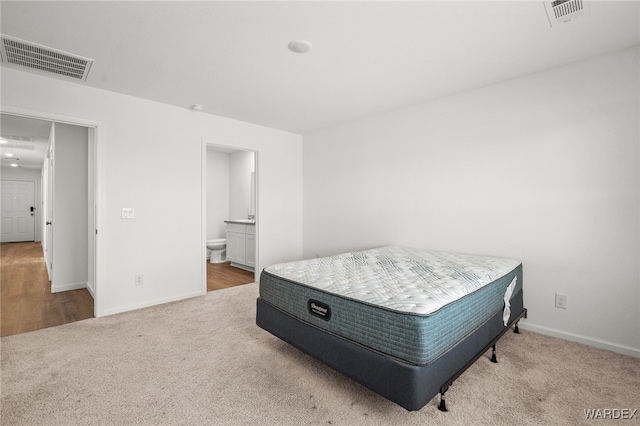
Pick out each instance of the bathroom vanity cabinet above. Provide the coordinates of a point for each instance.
(241, 245)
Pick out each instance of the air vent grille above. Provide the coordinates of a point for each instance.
(24, 54)
(16, 138)
(17, 146)
(562, 11)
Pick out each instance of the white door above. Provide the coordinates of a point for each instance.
(18, 216)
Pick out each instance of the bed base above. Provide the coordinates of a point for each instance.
(410, 386)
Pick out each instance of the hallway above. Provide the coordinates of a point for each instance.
(27, 303)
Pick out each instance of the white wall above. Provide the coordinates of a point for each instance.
(240, 168)
(138, 168)
(217, 193)
(33, 175)
(543, 169)
(70, 212)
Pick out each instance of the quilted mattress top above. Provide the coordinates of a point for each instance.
(398, 278)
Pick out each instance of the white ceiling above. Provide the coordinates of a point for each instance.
(367, 57)
(27, 141)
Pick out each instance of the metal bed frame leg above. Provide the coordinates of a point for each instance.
(515, 328)
(443, 404)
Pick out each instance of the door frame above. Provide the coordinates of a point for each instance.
(96, 132)
(49, 197)
(203, 243)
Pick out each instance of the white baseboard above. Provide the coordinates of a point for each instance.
(67, 287)
(614, 347)
(241, 266)
(121, 309)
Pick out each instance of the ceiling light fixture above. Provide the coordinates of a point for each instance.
(3, 140)
(8, 154)
(197, 107)
(14, 165)
(300, 46)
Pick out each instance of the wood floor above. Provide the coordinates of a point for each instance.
(26, 301)
(223, 275)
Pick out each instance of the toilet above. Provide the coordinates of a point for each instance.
(218, 249)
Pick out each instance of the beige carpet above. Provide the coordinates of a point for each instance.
(203, 361)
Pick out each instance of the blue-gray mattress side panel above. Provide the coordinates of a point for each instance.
(418, 339)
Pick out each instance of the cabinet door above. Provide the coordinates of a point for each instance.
(233, 245)
(251, 250)
(241, 254)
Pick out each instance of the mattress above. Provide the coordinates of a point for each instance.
(406, 303)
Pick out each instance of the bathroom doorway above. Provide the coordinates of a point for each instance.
(230, 216)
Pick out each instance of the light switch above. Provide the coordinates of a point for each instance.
(127, 213)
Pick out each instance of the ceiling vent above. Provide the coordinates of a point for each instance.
(23, 54)
(563, 11)
(16, 138)
(17, 146)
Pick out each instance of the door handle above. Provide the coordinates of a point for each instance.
(32, 209)
(47, 223)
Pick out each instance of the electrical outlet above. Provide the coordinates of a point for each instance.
(139, 280)
(561, 301)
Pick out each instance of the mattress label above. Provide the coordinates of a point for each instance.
(319, 309)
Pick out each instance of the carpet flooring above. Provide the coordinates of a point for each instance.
(203, 361)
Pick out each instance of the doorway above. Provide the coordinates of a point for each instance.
(18, 210)
(69, 298)
(230, 194)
